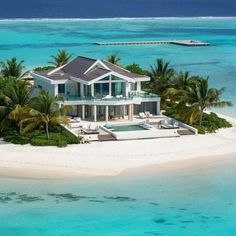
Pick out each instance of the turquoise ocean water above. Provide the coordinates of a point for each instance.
(189, 202)
(34, 41)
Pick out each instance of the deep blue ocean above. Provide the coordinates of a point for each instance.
(115, 8)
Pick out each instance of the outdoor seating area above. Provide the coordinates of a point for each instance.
(169, 124)
(145, 114)
(91, 129)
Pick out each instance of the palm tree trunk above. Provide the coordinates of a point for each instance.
(201, 116)
(47, 132)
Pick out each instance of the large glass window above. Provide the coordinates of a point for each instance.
(118, 88)
(87, 90)
(101, 90)
(61, 88)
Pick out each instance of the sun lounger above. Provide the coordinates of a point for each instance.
(142, 115)
(166, 125)
(148, 114)
(91, 129)
(77, 119)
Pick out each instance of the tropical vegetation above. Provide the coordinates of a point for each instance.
(61, 58)
(12, 68)
(114, 59)
(31, 119)
(187, 97)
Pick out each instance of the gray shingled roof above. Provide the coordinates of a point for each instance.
(58, 75)
(95, 73)
(122, 71)
(80, 65)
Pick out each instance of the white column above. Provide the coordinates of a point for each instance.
(129, 112)
(127, 89)
(95, 113)
(83, 112)
(139, 86)
(132, 111)
(92, 90)
(106, 113)
(158, 107)
(124, 112)
(81, 90)
(55, 89)
(110, 85)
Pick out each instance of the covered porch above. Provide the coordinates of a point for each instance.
(103, 112)
(113, 112)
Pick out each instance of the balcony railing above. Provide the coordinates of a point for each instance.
(131, 96)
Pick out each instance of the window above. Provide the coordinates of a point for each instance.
(61, 88)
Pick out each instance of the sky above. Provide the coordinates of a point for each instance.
(114, 8)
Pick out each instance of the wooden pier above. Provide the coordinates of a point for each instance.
(187, 43)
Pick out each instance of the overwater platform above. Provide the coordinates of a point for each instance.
(187, 43)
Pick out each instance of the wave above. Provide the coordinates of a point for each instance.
(117, 18)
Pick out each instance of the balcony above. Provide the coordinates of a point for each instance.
(134, 97)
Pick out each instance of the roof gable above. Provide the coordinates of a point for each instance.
(78, 66)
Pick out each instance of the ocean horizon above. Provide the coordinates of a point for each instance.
(121, 8)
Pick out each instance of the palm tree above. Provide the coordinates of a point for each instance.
(198, 97)
(14, 98)
(114, 59)
(44, 110)
(181, 81)
(12, 68)
(161, 75)
(61, 58)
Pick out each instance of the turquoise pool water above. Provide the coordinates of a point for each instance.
(35, 41)
(123, 128)
(191, 201)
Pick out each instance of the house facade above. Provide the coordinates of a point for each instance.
(98, 90)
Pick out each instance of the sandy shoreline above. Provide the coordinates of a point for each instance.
(111, 158)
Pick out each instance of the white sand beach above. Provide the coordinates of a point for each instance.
(111, 158)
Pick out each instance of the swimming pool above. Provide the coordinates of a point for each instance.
(123, 128)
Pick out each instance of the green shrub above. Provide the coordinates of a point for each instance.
(22, 140)
(61, 143)
(44, 68)
(210, 122)
(201, 129)
(43, 142)
(59, 136)
(213, 122)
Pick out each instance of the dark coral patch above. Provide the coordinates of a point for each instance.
(27, 198)
(120, 199)
(68, 197)
(161, 220)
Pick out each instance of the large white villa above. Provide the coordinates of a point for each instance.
(100, 91)
(107, 101)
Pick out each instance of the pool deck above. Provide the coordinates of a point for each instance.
(111, 135)
(187, 43)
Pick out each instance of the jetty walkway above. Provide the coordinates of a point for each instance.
(188, 43)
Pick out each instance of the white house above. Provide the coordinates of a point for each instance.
(98, 89)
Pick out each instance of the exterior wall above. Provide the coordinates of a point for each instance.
(43, 85)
